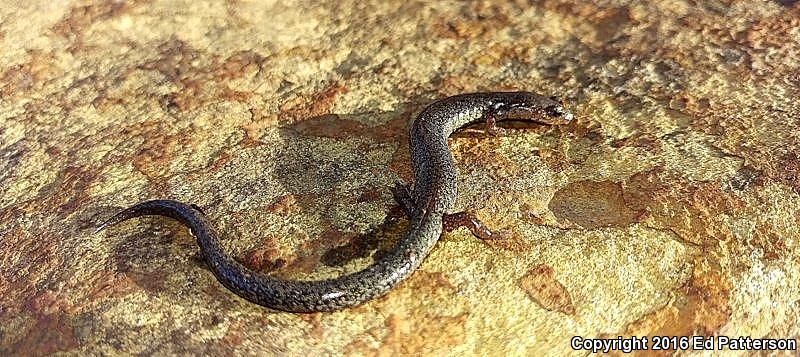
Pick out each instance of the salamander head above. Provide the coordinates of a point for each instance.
(534, 107)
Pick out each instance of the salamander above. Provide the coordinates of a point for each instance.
(428, 204)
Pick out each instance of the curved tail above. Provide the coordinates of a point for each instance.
(293, 295)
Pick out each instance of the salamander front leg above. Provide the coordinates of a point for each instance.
(491, 125)
(453, 221)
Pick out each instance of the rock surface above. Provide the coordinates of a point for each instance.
(670, 206)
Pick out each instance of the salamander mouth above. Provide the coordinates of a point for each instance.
(538, 115)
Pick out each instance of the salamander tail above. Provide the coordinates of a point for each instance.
(167, 208)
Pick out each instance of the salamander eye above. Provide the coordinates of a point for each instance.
(555, 111)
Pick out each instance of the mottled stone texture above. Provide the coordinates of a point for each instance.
(670, 206)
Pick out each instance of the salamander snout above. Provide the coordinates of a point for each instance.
(534, 107)
(558, 114)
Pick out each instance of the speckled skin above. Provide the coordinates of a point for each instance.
(434, 195)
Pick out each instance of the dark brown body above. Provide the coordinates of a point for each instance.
(434, 194)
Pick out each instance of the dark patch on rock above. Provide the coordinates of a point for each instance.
(787, 3)
(745, 177)
(370, 195)
(10, 158)
(790, 171)
(361, 246)
(593, 204)
(542, 286)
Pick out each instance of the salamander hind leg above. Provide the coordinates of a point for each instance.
(468, 220)
(197, 208)
(402, 195)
